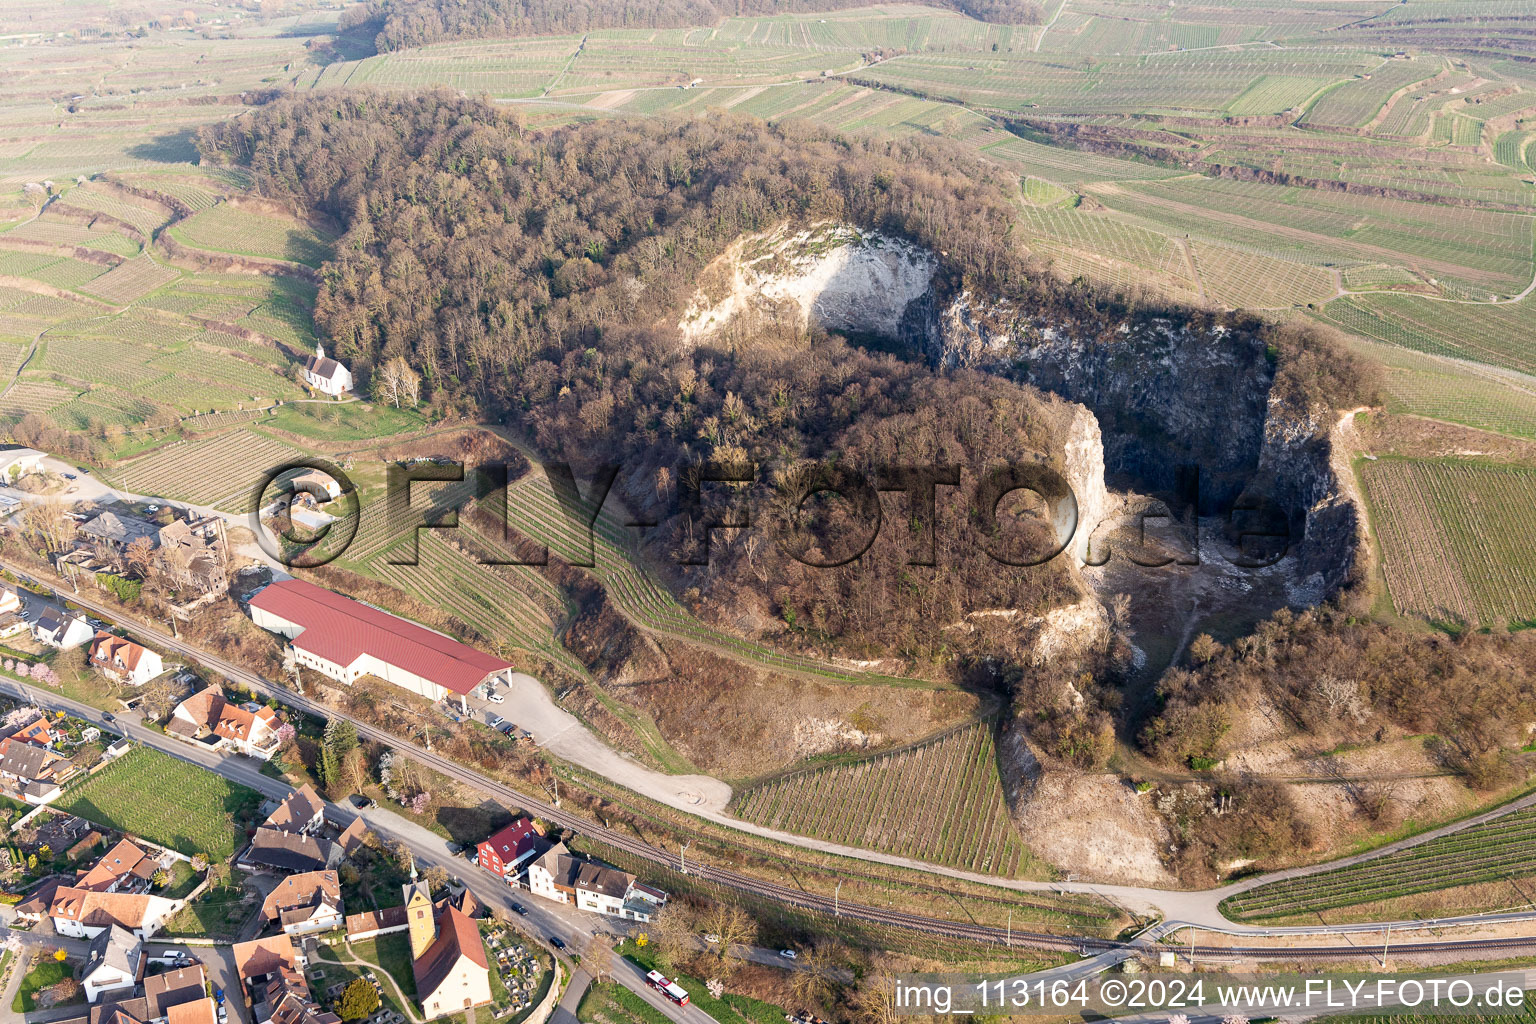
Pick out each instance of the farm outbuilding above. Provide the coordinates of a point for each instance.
(343, 639)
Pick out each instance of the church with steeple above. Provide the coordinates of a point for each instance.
(447, 953)
(326, 375)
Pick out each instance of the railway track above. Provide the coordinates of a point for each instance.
(799, 898)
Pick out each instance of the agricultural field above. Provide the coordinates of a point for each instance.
(1499, 851)
(1453, 539)
(1485, 397)
(1496, 334)
(940, 801)
(241, 231)
(194, 810)
(223, 468)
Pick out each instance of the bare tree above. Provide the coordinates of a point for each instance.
(1340, 698)
(731, 924)
(139, 557)
(813, 980)
(395, 383)
(598, 958)
(49, 522)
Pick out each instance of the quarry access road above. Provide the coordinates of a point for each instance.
(1177, 909)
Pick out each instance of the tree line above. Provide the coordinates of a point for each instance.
(399, 24)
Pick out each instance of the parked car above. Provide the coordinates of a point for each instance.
(70, 476)
(505, 728)
(496, 698)
(519, 909)
(455, 849)
(107, 716)
(84, 470)
(218, 995)
(497, 721)
(361, 802)
(788, 954)
(557, 942)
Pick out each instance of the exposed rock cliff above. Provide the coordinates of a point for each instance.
(831, 274)
(1178, 408)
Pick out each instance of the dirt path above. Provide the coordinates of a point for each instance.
(353, 960)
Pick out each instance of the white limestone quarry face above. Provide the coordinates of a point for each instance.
(830, 274)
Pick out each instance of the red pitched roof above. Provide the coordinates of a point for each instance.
(513, 841)
(109, 650)
(340, 629)
(457, 936)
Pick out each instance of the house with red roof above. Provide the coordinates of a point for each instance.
(211, 720)
(123, 660)
(343, 639)
(508, 852)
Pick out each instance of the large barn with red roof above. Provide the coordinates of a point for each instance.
(343, 639)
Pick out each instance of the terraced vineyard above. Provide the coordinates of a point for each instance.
(940, 801)
(533, 512)
(1494, 851)
(1453, 539)
(231, 229)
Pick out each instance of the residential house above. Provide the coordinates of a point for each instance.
(174, 988)
(10, 600)
(316, 482)
(196, 1011)
(326, 375)
(124, 868)
(592, 887)
(38, 732)
(302, 812)
(275, 850)
(447, 955)
(36, 906)
(342, 639)
(209, 718)
(116, 963)
(59, 628)
(12, 623)
(18, 462)
(34, 772)
(84, 914)
(306, 902)
(124, 661)
(352, 837)
(507, 853)
(192, 553)
(271, 975)
(261, 960)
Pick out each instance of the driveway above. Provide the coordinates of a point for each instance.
(530, 707)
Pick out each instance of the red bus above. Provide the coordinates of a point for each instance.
(667, 987)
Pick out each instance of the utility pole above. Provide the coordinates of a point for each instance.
(682, 856)
(1010, 927)
(1386, 943)
(836, 909)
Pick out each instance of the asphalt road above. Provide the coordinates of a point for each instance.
(541, 920)
(1198, 908)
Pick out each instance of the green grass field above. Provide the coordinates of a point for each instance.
(167, 801)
